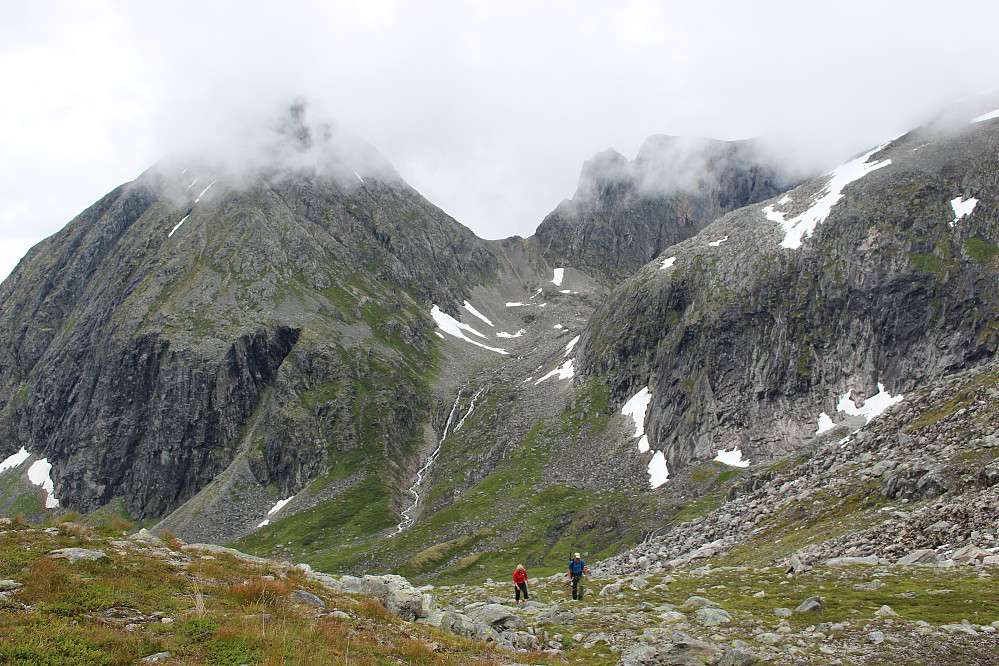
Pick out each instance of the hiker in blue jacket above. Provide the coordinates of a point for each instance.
(577, 571)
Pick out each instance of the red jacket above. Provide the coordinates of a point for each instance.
(519, 576)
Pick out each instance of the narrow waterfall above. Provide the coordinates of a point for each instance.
(414, 489)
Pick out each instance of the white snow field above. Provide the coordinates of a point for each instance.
(802, 225)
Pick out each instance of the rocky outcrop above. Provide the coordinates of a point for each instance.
(625, 213)
(748, 332)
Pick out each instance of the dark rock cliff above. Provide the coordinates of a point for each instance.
(625, 213)
(744, 342)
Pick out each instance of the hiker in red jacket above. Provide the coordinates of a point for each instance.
(520, 582)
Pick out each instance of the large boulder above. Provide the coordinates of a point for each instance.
(497, 616)
(394, 592)
(924, 557)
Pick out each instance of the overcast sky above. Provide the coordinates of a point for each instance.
(487, 108)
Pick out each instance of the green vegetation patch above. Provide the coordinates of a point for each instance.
(980, 251)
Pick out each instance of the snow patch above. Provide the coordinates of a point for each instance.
(12, 461)
(504, 334)
(566, 291)
(205, 190)
(557, 278)
(986, 116)
(962, 207)
(558, 327)
(193, 184)
(39, 475)
(572, 343)
(178, 226)
(658, 472)
(825, 424)
(468, 306)
(800, 226)
(280, 505)
(668, 262)
(786, 199)
(274, 509)
(718, 242)
(516, 305)
(452, 326)
(564, 371)
(636, 407)
(873, 406)
(359, 177)
(732, 458)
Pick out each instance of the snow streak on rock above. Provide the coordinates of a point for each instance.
(668, 262)
(205, 190)
(718, 242)
(178, 226)
(274, 509)
(564, 371)
(572, 343)
(802, 225)
(452, 326)
(986, 116)
(468, 306)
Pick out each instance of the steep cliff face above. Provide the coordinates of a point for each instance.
(881, 273)
(625, 213)
(140, 339)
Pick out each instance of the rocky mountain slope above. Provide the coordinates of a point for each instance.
(624, 213)
(274, 318)
(783, 315)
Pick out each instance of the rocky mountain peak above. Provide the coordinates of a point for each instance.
(625, 212)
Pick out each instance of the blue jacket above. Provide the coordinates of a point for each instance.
(576, 568)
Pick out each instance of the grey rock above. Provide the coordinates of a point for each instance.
(847, 561)
(556, 615)
(969, 553)
(923, 557)
(783, 612)
(738, 656)
(75, 555)
(156, 658)
(810, 605)
(876, 637)
(885, 611)
(497, 616)
(6, 585)
(611, 588)
(712, 617)
(699, 602)
(684, 651)
(307, 598)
